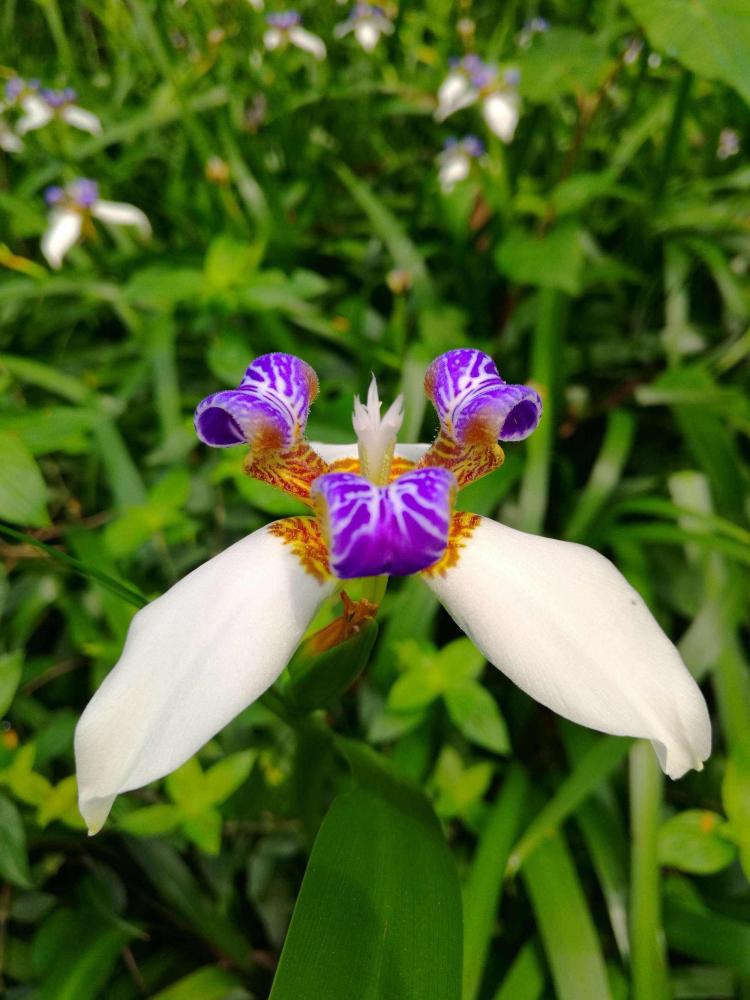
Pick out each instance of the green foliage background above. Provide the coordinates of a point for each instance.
(604, 255)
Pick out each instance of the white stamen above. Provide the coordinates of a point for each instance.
(376, 435)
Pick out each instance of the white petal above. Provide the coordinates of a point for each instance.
(256, 4)
(9, 141)
(455, 92)
(453, 169)
(36, 114)
(501, 114)
(343, 28)
(337, 452)
(307, 41)
(367, 34)
(272, 39)
(120, 213)
(62, 231)
(86, 121)
(193, 659)
(566, 626)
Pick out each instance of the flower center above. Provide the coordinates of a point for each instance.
(376, 435)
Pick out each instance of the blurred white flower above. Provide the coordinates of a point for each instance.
(286, 29)
(534, 26)
(454, 163)
(256, 4)
(41, 105)
(72, 206)
(471, 80)
(633, 51)
(9, 141)
(654, 60)
(729, 143)
(368, 22)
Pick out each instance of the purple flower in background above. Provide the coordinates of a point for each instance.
(455, 161)
(534, 26)
(286, 29)
(556, 617)
(471, 80)
(368, 22)
(729, 143)
(41, 104)
(72, 206)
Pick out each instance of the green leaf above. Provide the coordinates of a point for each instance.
(379, 912)
(692, 841)
(459, 788)
(735, 794)
(553, 260)
(22, 490)
(485, 880)
(460, 660)
(710, 37)
(319, 679)
(562, 61)
(526, 977)
(474, 711)
(208, 983)
(225, 777)
(14, 863)
(151, 821)
(416, 689)
(186, 782)
(565, 923)
(11, 668)
(230, 263)
(75, 955)
(710, 937)
(205, 831)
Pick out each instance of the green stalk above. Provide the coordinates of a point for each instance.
(671, 146)
(57, 30)
(546, 350)
(648, 960)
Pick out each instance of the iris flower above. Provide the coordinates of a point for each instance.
(41, 105)
(286, 29)
(73, 207)
(556, 617)
(368, 22)
(454, 162)
(470, 81)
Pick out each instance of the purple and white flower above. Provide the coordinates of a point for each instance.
(368, 22)
(286, 29)
(41, 104)
(729, 143)
(556, 617)
(456, 159)
(534, 26)
(72, 208)
(470, 81)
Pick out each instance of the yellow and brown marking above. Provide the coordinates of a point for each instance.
(462, 527)
(292, 470)
(304, 537)
(398, 466)
(466, 462)
(348, 624)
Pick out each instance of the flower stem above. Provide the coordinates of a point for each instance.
(649, 969)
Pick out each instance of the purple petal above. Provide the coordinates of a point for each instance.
(268, 410)
(392, 530)
(474, 404)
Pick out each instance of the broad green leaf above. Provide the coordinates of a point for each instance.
(562, 61)
(459, 788)
(319, 679)
(14, 862)
(711, 37)
(75, 955)
(55, 428)
(526, 977)
(379, 912)
(565, 923)
(458, 661)
(186, 782)
(553, 260)
(62, 804)
(204, 830)
(708, 936)
(735, 793)
(474, 711)
(416, 689)
(692, 841)
(225, 777)
(11, 667)
(229, 263)
(208, 983)
(22, 490)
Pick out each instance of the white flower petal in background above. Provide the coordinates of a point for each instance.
(367, 34)
(272, 38)
(9, 141)
(81, 119)
(501, 114)
(36, 114)
(455, 167)
(63, 230)
(193, 659)
(256, 4)
(455, 92)
(120, 213)
(307, 41)
(564, 624)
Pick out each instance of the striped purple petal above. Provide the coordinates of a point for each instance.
(474, 404)
(269, 409)
(391, 530)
